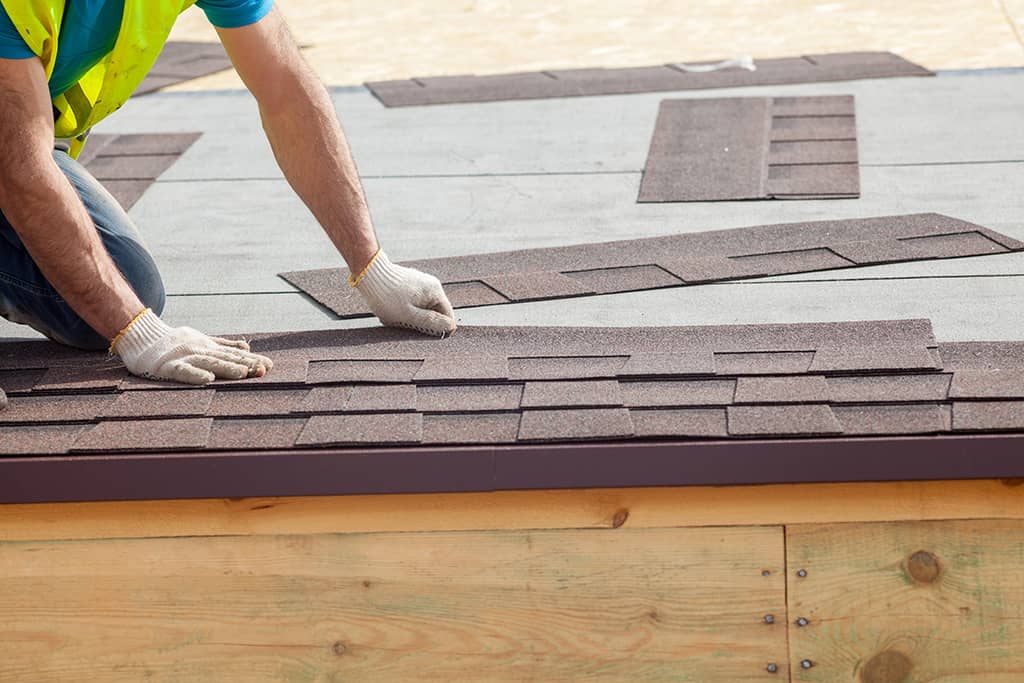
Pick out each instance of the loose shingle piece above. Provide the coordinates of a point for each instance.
(495, 388)
(578, 82)
(684, 259)
(752, 148)
(128, 164)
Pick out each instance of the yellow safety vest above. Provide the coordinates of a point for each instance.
(145, 26)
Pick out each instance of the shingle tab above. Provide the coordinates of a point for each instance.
(565, 367)
(38, 439)
(176, 434)
(680, 422)
(987, 384)
(796, 389)
(572, 393)
(640, 394)
(475, 428)
(763, 362)
(655, 364)
(624, 279)
(322, 371)
(237, 403)
(60, 408)
(470, 397)
(535, 286)
(798, 420)
(363, 429)
(988, 416)
(880, 388)
(450, 367)
(191, 403)
(890, 419)
(838, 359)
(255, 434)
(20, 381)
(575, 424)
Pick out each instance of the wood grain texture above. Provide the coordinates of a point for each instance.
(616, 605)
(561, 509)
(913, 601)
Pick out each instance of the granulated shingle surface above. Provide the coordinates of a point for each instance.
(18, 381)
(693, 258)
(752, 148)
(590, 81)
(182, 61)
(128, 164)
(503, 393)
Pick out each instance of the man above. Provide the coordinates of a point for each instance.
(72, 265)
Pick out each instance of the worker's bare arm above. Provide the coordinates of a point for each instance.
(45, 210)
(299, 119)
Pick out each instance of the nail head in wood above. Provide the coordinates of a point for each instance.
(765, 572)
(801, 621)
(806, 664)
(772, 668)
(923, 567)
(769, 618)
(801, 573)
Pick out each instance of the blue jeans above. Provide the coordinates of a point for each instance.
(27, 297)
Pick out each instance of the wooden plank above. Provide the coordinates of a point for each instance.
(616, 605)
(564, 509)
(923, 601)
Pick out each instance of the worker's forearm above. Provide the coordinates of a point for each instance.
(59, 234)
(311, 150)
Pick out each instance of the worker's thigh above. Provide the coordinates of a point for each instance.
(27, 297)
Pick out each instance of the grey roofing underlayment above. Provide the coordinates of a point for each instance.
(182, 61)
(375, 410)
(678, 260)
(840, 66)
(128, 164)
(752, 148)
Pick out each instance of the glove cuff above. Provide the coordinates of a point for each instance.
(139, 335)
(380, 277)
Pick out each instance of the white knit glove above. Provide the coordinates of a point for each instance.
(151, 348)
(405, 297)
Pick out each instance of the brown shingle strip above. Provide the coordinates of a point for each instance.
(580, 82)
(807, 419)
(20, 381)
(94, 375)
(982, 355)
(989, 416)
(763, 362)
(752, 148)
(336, 430)
(691, 257)
(564, 394)
(575, 425)
(175, 434)
(566, 367)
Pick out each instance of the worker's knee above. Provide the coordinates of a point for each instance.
(139, 269)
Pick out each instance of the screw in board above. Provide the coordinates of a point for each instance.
(801, 573)
(806, 663)
(801, 621)
(769, 618)
(772, 668)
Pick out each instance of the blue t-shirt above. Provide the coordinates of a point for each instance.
(90, 30)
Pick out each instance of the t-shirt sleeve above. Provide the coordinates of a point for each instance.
(12, 45)
(235, 13)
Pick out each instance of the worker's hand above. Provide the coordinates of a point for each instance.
(151, 348)
(405, 297)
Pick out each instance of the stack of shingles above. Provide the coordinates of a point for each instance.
(380, 387)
